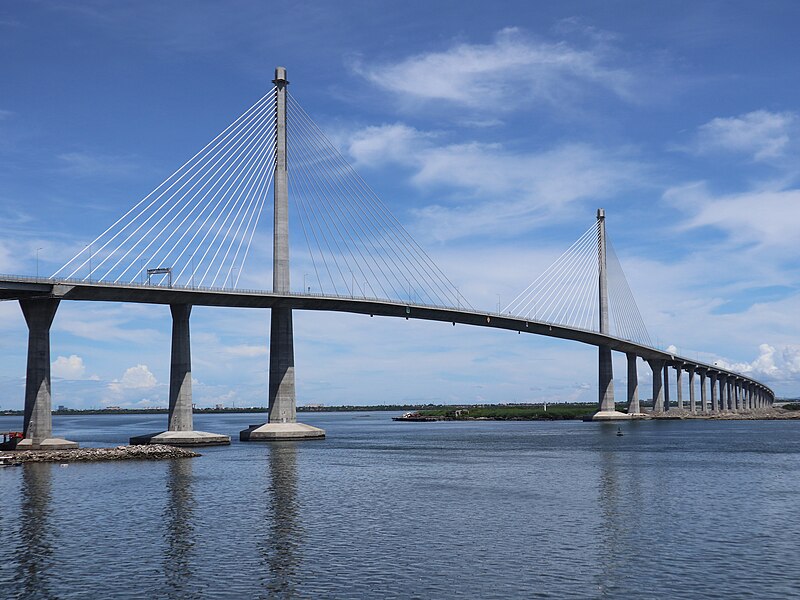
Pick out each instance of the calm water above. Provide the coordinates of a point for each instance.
(413, 510)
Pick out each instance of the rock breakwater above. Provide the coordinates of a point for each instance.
(152, 452)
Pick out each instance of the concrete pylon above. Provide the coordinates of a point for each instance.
(692, 401)
(714, 399)
(703, 395)
(606, 410)
(679, 386)
(180, 430)
(657, 366)
(633, 386)
(282, 399)
(38, 419)
(666, 387)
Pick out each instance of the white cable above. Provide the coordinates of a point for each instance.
(212, 144)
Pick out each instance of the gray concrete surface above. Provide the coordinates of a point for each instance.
(38, 420)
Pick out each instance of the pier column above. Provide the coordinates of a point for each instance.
(38, 419)
(703, 395)
(657, 366)
(692, 405)
(679, 385)
(180, 426)
(633, 385)
(712, 377)
(740, 395)
(666, 387)
(180, 372)
(723, 393)
(282, 422)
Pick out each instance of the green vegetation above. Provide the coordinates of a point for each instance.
(792, 406)
(514, 412)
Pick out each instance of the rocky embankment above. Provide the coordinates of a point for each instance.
(151, 452)
(763, 414)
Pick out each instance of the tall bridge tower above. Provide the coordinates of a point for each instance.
(605, 371)
(282, 397)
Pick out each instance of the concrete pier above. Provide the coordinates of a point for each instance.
(714, 399)
(703, 395)
(679, 386)
(692, 402)
(180, 430)
(633, 386)
(38, 419)
(657, 366)
(282, 398)
(666, 387)
(723, 393)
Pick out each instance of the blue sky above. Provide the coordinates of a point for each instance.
(493, 130)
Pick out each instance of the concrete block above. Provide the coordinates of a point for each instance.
(182, 438)
(280, 431)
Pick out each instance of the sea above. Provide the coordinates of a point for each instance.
(383, 509)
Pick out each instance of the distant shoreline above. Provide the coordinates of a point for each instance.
(449, 412)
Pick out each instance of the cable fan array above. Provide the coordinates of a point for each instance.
(197, 226)
(566, 293)
(357, 247)
(626, 320)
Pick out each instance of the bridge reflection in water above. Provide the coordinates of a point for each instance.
(280, 549)
(179, 532)
(37, 535)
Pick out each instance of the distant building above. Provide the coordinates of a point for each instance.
(61, 407)
(113, 408)
(219, 406)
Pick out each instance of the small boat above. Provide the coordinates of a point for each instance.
(619, 432)
(10, 439)
(8, 461)
(413, 416)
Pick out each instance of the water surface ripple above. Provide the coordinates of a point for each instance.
(413, 510)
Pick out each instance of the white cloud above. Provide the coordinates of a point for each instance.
(487, 189)
(770, 365)
(246, 350)
(85, 164)
(512, 70)
(69, 367)
(109, 323)
(391, 143)
(769, 218)
(138, 377)
(762, 134)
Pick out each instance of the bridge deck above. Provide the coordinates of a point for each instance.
(14, 288)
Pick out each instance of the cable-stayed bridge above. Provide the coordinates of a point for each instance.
(187, 243)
